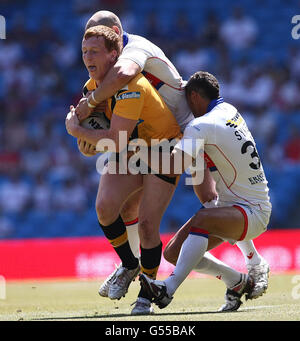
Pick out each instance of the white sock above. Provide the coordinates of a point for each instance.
(133, 237)
(210, 265)
(191, 252)
(252, 257)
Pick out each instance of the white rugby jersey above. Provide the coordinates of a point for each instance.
(161, 73)
(230, 154)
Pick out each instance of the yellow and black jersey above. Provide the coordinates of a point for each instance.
(140, 101)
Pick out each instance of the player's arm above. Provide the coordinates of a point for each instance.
(206, 191)
(118, 76)
(187, 153)
(92, 136)
(85, 148)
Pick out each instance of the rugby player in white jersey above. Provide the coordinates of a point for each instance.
(140, 55)
(243, 209)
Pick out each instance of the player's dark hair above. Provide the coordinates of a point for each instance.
(203, 83)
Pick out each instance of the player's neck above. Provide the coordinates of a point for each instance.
(202, 109)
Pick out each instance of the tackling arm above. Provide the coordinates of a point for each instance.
(117, 77)
(117, 124)
(206, 191)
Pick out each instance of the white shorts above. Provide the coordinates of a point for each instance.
(256, 221)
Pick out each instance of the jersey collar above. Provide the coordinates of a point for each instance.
(214, 102)
(125, 39)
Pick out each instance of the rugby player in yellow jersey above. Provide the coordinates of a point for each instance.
(138, 110)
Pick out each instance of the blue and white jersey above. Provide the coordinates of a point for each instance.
(161, 73)
(231, 155)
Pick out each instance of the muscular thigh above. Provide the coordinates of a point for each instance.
(113, 191)
(224, 222)
(221, 223)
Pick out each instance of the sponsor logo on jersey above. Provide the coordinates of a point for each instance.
(127, 95)
(235, 121)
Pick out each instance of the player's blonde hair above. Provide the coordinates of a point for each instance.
(111, 40)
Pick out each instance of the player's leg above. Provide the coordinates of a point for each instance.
(129, 214)
(226, 222)
(157, 194)
(237, 283)
(209, 220)
(257, 266)
(113, 191)
(257, 272)
(172, 249)
(212, 266)
(208, 265)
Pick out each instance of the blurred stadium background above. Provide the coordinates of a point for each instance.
(47, 189)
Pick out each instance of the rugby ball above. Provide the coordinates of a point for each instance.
(97, 120)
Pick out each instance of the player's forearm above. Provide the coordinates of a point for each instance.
(117, 77)
(110, 139)
(92, 136)
(206, 191)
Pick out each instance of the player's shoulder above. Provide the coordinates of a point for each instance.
(223, 109)
(137, 39)
(218, 114)
(198, 127)
(212, 119)
(134, 89)
(142, 43)
(138, 82)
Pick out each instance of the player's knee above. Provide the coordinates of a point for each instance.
(105, 212)
(129, 211)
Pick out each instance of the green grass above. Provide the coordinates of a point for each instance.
(197, 299)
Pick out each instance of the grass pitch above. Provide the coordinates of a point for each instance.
(198, 299)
